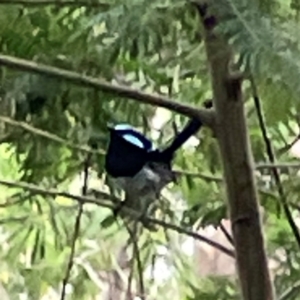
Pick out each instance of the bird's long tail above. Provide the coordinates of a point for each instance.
(190, 129)
(167, 154)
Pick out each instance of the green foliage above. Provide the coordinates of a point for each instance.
(155, 47)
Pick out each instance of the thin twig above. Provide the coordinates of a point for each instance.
(48, 135)
(289, 146)
(291, 292)
(206, 116)
(227, 234)
(272, 159)
(34, 3)
(277, 165)
(129, 282)
(76, 228)
(206, 177)
(10, 202)
(260, 166)
(136, 256)
(20, 220)
(55, 193)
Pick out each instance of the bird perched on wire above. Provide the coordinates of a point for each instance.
(138, 167)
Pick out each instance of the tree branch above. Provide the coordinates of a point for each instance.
(76, 232)
(206, 116)
(48, 135)
(227, 234)
(272, 159)
(206, 177)
(233, 138)
(277, 165)
(260, 166)
(136, 257)
(291, 292)
(55, 193)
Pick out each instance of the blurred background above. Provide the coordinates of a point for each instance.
(47, 124)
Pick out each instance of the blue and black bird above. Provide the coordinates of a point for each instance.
(138, 167)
